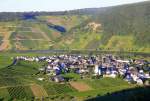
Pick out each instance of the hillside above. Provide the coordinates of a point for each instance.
(36, 34)
(127, 21)
(124, 28)
(120, 28)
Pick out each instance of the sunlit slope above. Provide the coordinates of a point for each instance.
(85, 37)
(129, 21)
(120, 28)
(68, 21)
(36, 34)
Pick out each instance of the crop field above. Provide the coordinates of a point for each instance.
(38, 91)
(80, 86)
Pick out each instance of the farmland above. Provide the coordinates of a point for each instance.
(38, 91)
(54, 56)
(20, 92)
(36, 35)
(20, 82)
(115, 29)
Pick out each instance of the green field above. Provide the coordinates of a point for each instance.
(103, 86)
(122, 30)
(5, 61)
(15, 82)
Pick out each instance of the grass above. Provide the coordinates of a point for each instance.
(21, 68)
(4, 94)
(125, 43)
(120, 42)
(103, 86)
(81, 40)
(5, 61)
(71, 75)
(106, 82)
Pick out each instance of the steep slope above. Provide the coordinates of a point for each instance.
(125, 27)
(84, 36)
(119, 28)
(36, 33)
(132, 21)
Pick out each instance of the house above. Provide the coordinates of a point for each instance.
(40, 79)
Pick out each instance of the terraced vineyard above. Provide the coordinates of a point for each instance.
(55, 88)
(22, 68)
(37, 34)
(16, 92)
(8, 81)
(20, 92)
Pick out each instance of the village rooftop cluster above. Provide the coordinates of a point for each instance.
(132, 71)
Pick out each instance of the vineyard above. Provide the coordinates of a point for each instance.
(21, 69)
(20, 82)
(55, 88)
(8, 81)
(20, 92)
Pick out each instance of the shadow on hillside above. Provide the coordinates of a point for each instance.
(134, 94)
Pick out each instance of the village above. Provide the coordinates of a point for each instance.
(132, 71)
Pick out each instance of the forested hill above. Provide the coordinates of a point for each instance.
(128, 20)
(124, 27)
